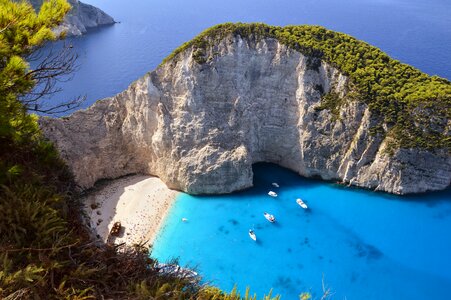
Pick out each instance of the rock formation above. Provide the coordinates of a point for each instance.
(200, 127)
(80, 18)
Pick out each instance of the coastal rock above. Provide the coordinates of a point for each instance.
(80, 18)
(200, 127)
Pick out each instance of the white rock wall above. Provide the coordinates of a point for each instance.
(201, 127)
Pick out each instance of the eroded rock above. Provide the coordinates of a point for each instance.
(200, 127)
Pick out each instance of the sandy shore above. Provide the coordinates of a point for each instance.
(139, 202)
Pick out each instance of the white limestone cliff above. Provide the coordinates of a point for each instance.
(80, 18)
(200, 127)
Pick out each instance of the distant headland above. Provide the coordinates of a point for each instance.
(80, 18)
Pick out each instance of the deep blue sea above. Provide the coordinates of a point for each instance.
(364, 245)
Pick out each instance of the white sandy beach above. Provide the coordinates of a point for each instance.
(139, 202)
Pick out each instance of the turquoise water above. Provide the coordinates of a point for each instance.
(365, 245)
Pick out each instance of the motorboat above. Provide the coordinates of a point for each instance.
(272, 194)
(269, 217)
(252, 235)
(275, 184)
(301, 203)
(184, 220)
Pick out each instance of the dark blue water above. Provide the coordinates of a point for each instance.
(365, 245)
(417, 32)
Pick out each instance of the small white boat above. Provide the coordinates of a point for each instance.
(269, 217)
(272, 194)
(252, 235)
(184, 220)
(301, 203)
(275, 184)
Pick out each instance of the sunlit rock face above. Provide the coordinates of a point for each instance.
(200, 127)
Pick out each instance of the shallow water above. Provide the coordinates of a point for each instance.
(366, 245)
(416, 32)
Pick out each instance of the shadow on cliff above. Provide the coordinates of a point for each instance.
(431, 198)
(117, 185)
(267, 173)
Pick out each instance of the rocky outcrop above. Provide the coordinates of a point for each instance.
(200, 127)
(80, 18)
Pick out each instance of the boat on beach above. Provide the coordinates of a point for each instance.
(116, 229)
(252, 235)
(269, 217)
(272, 194)
(301, 203)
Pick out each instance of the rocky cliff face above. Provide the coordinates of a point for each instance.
(200, 127)
(80, 18)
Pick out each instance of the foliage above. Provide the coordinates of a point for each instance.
(211, 293)
(332, 102)
(46, 250)
(21, 29)
(413, 106)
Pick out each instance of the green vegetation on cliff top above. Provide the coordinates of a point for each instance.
(413, 107)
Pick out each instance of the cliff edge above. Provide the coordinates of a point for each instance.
(245, 93)
(80, 18)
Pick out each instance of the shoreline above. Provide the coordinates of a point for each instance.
(139, 202)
